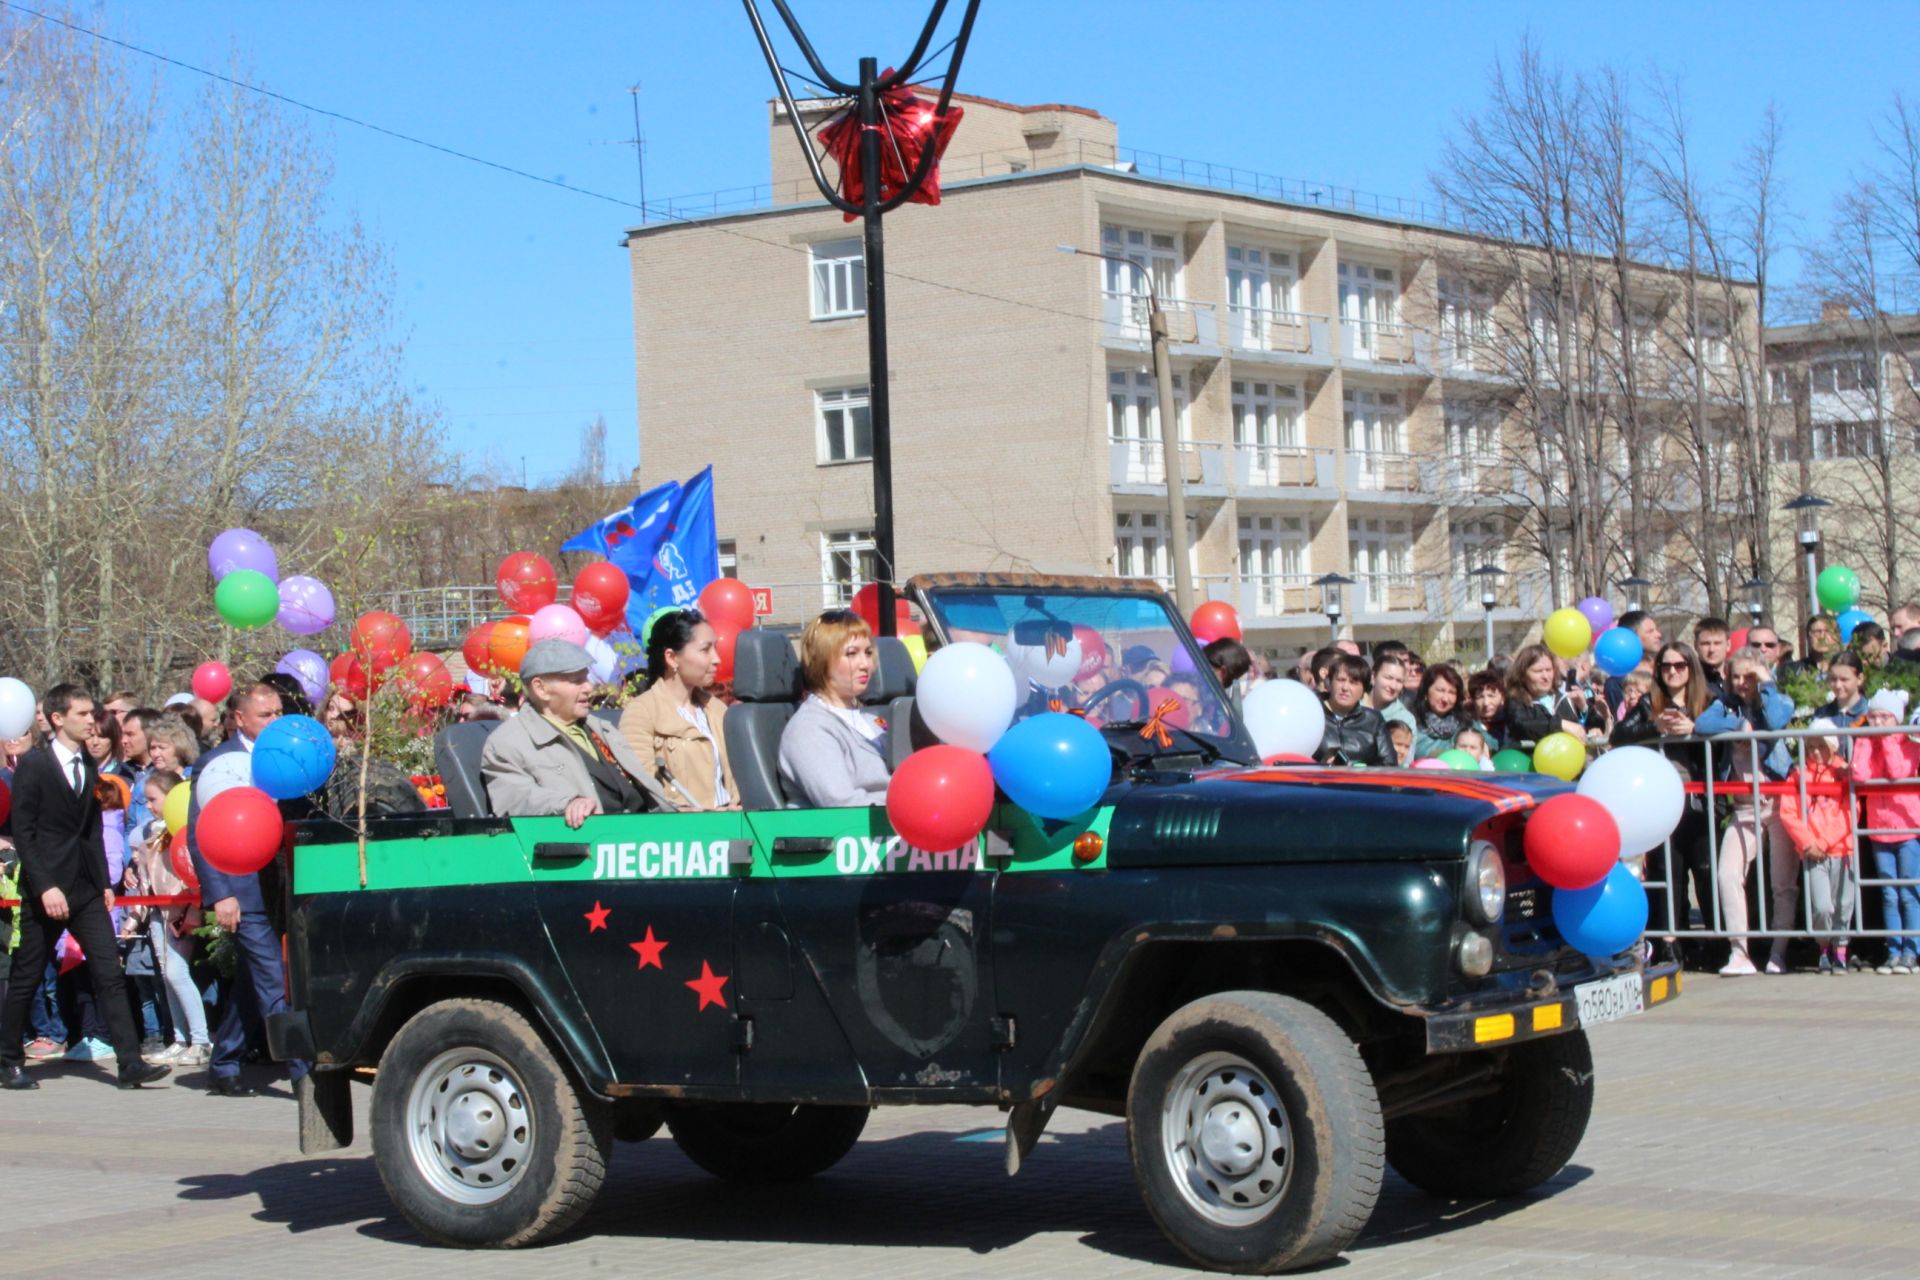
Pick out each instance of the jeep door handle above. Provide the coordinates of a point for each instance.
(802, 846)
(546, 851)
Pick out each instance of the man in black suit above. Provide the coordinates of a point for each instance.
(64, 885)
(240, 906)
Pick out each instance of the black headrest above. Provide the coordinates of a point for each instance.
(764, 668)
(893, 673)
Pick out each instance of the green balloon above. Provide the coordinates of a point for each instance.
(247, 599)
(1512, 761)
(1459, 758)
(646, 628)
(1838, 588)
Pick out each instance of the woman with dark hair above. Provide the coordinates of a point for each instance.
(1440, 710)
(1535, 705)
(677, 724)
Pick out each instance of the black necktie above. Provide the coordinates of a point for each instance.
(76, 775)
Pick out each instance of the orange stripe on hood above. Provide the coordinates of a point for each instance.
(1503, 799)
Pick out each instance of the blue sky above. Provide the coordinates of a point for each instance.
(514, 295)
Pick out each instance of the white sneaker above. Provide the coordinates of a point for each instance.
(1775, 966)
(197, 1055)
(169, 1054)
(1737, 966)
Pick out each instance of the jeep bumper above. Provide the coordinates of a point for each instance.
(1502, 1021)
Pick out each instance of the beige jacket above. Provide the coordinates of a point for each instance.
(652, 726)
(531, 770)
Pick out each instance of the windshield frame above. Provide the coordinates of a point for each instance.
(926, 592)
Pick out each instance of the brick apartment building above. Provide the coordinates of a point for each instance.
(1339, 405)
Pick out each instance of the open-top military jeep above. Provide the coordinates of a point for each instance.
(1284, 977)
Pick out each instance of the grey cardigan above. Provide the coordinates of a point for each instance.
(825, 764)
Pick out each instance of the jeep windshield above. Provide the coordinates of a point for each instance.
(1121, 657)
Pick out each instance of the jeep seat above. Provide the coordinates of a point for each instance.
(766, 682)
(456, 752)
(890, 694)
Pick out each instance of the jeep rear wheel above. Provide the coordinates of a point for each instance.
(1511, 1140)
(481, 1138)
(764, 1141)
(1255, 1133)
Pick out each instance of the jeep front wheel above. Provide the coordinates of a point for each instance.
(1255, 1133)
(764, 1141)
(480, 1136)
(1511, 1140)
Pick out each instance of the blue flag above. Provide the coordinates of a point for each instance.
(664, 541)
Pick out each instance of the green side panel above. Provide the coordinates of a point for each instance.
(863, 843)
(427, 863)
(1039, 845)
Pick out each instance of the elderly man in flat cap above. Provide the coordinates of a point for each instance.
(550, 759)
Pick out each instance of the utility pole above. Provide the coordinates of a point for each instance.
(639, 150)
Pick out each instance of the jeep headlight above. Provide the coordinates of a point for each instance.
(1486, 883)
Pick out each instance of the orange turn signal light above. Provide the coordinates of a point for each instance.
(1087, 846)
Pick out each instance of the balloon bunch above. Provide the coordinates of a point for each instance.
(240, 828)
(248, 593)
(1054, 765)
(1628, 803)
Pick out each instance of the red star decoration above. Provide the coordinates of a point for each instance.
(708, 984)
(649, 948)
(597, 918)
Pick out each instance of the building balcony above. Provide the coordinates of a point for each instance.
(1516, 597)
(1392, 478)
(1193, 328)
(1275, 600)
(1373, 347)
(1138, 466)
(1284, 471)
(1280, 337)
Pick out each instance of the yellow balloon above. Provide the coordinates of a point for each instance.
(1560, 754)
(173, 810)
(1568, 633)
(916, 647)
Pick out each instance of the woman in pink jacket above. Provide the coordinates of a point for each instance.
(1821, 827)
(1895, 856)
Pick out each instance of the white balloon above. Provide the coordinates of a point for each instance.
(234, 769)
(1640, 788)
(605, 660)
(1284, 717)
(1030, 662)
(16, 708)
(967, 695)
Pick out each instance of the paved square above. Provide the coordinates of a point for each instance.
(1758, 1128)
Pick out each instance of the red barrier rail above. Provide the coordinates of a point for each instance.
(136, 900)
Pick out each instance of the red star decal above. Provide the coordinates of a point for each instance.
(597, 918)
(708, 984)
(649, 948)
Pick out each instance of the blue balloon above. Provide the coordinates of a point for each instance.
(293, 757)
(1605, 919)
(1053, 765)
(1617, 651)
(1849, 620)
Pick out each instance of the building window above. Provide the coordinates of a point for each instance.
(839, 269)
(1260, 289)
(1140, 546)
(1473, 438)
(1381, 554)
(1777, 392)
(848, 563)
(1713, 343)
(1376, 435)
(1124, 289)
(1369, 306)
(1133, 420)
(843, 425)
(1266, 423)
(1273, 556)
(1466, 324)
(1832, 377)
(729, 559)
(1477, 543)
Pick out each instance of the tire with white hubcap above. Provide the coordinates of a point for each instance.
(481, 1137)
(1255, 1133)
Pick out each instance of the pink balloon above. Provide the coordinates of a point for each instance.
(1431, 762)
(556, 622)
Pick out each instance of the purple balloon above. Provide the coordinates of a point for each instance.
(306, 606)
(1598, 612)
(310, 669)
(1181, 663)
(242, 549)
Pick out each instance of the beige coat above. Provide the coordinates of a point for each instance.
(652, 726)
(531, 770)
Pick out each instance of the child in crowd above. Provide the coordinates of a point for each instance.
(1634, 686)
(1821, 828)
(1474, 743)
(1895, 856)
(170, 930)
(1402, 734)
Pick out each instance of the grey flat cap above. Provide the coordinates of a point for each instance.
(554, 657)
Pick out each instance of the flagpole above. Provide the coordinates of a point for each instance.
(879, 399)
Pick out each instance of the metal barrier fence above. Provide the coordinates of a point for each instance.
(1761, 854)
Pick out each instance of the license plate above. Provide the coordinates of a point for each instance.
(1610, 999)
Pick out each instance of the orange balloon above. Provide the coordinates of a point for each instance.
(508, 644)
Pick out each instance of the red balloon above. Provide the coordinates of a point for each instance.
(725, 638)
(1213, 620)
(507, 645)
(212, 681)
(381, 641)
(240, 831)
(181, 859)
(727, 602)
(426, 681)
(600, 593)
(476, 649)
(526, 582)
(1177, 717)
(1737, 641)
(866, 603)
(348, 676)
(941, 797)
(1572, 842)
(1094, 654)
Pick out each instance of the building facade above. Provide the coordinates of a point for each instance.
(1344, 395)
